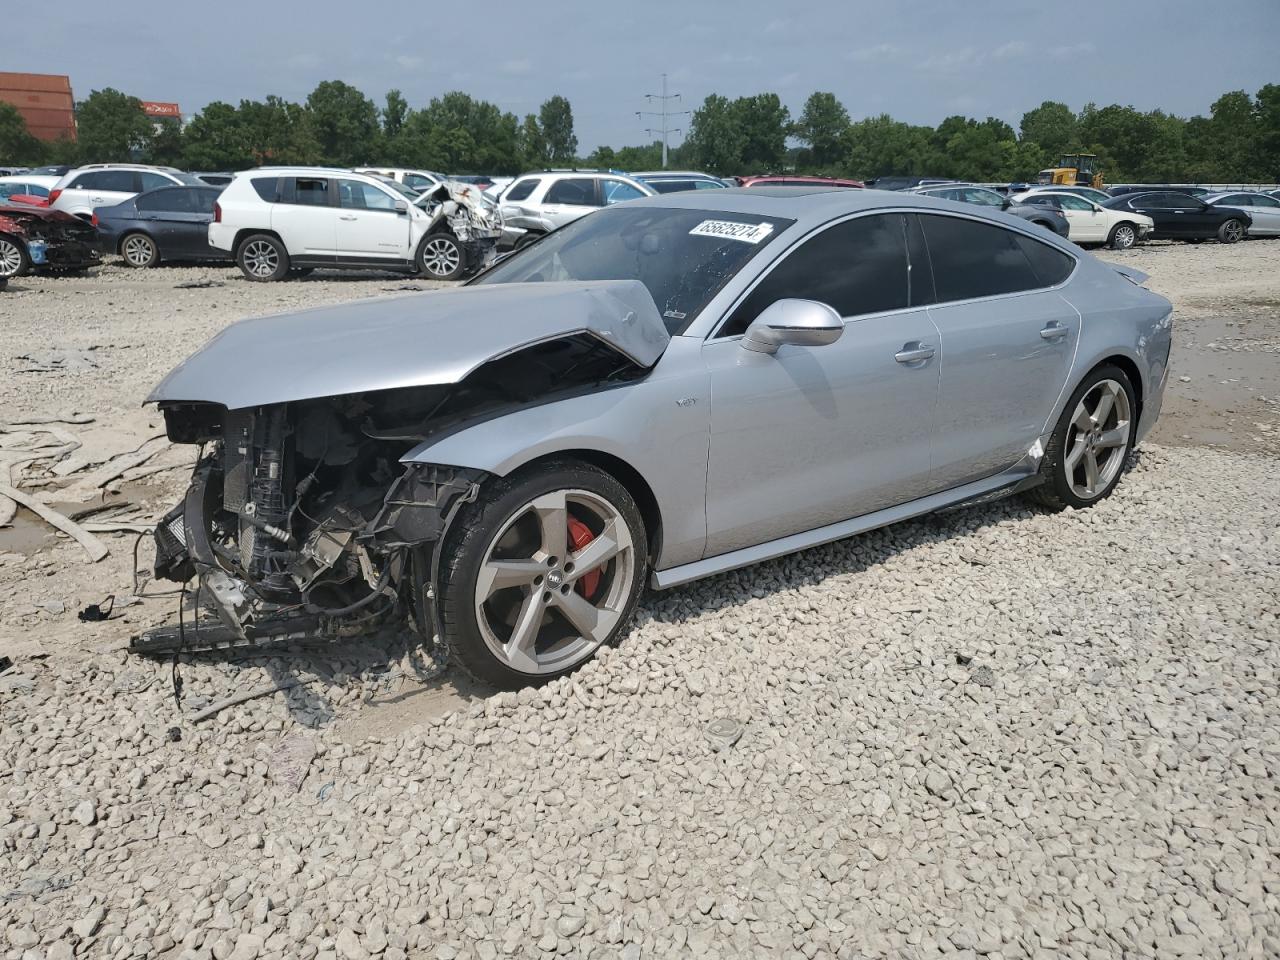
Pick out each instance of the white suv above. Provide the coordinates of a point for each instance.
(537, 203)
(80, 190)
(274, 220)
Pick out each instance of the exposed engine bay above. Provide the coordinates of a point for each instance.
(471, 216)
(302, 521)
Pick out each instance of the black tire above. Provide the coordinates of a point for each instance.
(14, 259)
(478, 526)
(262, 258)
(1055, 492)
(1231, 231)
(441, 257)
(1123, 236)
(139, 250)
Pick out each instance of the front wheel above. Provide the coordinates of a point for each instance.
(14, 261)
(440, 257)
(1123, 236)
(1232, 231)
(1088, 449)
(139, 250)
(544, 569)
(262, 257)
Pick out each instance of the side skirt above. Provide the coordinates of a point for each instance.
(1021, 476)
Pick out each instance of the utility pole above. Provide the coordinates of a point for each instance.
(664, 113)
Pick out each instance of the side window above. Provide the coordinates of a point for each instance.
(579, 192)
(1050, 264)
(707, 185)
(311, 191)
(354, 195)
(417, 181)
(117, 181)
(35, 190)
(972, 259)
(266, 188)
(1074, 203)
(1258, 201)
(985, 198)
(1040, 200)
(522, 190)
(153, 181)
(1238, 200)
(173, 200)
(857, 267)
(615, 191)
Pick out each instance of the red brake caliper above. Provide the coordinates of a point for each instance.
(579, 536)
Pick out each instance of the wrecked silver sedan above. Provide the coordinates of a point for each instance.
(661, 391)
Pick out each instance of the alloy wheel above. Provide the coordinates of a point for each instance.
(555, 581)
(441, 256)
(1097, 439)
(10, 258)
(1124, 237)
(261, 259)
(138, 250)
(1232, 231)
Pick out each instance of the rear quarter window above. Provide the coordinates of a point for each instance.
(267, 188)
(522, 190)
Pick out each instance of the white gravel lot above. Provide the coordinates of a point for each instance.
(996, 732)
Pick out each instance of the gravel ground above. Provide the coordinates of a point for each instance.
(994, 732)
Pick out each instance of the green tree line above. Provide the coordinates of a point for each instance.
(1239, 141)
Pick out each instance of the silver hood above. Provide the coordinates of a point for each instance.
(416, 340)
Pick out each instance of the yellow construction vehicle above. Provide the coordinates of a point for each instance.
(1073, 170)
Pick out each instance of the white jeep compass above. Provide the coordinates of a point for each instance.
(278, 220)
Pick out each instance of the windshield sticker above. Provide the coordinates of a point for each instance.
(728, 230)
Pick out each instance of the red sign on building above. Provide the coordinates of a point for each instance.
(160, 109)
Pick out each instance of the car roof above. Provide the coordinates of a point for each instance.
(680, 174)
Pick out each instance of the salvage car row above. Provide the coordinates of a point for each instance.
(281, 222)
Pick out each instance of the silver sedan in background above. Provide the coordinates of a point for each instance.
(660, 391)
(1263, 210)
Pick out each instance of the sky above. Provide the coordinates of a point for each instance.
(918, 61)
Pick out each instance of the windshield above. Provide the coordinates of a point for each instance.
(187, 179)
(683, 257)
(398, 187)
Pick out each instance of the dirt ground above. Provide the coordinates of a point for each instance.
(96, 345)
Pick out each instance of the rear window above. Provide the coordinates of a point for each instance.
(972, 259)
(268, 188)
(522, 190)
(173, 200)
(309, 192)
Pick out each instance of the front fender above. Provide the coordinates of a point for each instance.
(658, 426)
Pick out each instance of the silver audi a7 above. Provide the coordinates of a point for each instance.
(664, 390)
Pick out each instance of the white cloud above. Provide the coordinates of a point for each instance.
(955, 60)
(1013, 50)
(517, 67)
(1072, 51)
(877, 54)
(407, 62)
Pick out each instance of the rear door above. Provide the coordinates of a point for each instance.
(1265, 212)
(1008, 341)
(369, 226)
(570, 198)
(306, 217)
(168, 216)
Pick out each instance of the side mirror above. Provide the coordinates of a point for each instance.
(1006, 203)
(802, 323)
(402, 206)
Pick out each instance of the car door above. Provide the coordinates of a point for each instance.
(569, 198)
(1193, 217)
(369, 226)
(1007, 338)
(306, 218)
(196, 224)
(810, 436)
(1265, 213)
(1087, 223)
(1159, 207)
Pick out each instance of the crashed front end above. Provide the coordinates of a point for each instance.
(54, 240)
(473, 218)
(306, 514)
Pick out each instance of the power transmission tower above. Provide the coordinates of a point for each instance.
(664, 113)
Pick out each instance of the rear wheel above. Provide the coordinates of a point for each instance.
(14, 261)
(540, 572)
(1232, 231)
(440, 257)
(1088, 449)
(1123, 236)
(139, 250)
(262, 257)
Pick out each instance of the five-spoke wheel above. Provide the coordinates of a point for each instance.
(542, 571)
(262, 257)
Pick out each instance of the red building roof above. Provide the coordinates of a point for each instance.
(45, 102)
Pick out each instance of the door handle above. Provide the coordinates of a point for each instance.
(347, 216)
(1054, 331)
(914, 352)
